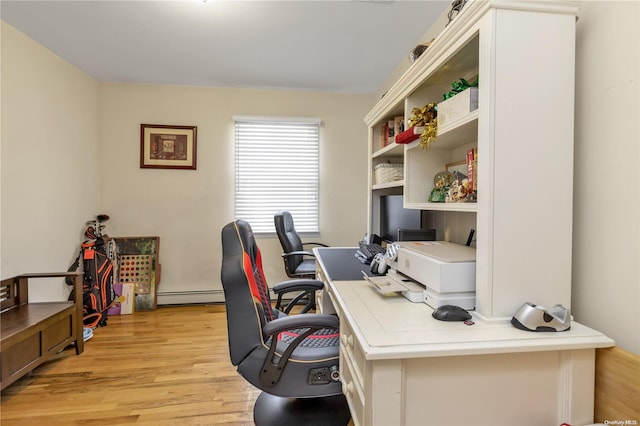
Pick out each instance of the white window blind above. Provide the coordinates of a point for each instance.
(277, 169)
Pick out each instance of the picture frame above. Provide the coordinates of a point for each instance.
(457, 166)
(168, 147)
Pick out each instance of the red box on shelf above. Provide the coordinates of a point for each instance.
(409, 135)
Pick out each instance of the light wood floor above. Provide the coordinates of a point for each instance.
(166, 367)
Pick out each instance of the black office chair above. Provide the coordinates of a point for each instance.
(292, 359)
(298, 263)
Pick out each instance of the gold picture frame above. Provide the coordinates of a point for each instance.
(167, 147)
(457, 166)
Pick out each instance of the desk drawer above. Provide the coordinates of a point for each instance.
(324, 303)
(320, 273)
(329, 302)
(351, 389)
(350, 350)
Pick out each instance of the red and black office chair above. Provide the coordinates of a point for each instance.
(292, 359)
(298, 262)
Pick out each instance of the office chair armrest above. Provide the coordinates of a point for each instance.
(273, 365)
(317, 244)
(298, 285)
(294, 253)
(314, 321)
(305, 288)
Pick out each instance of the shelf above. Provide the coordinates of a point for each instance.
(386, 185)
(456, 134)
(391, 150)
(445, 207)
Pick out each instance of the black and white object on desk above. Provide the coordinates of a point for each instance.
(532, 317)
(392, 251)
(380, 262)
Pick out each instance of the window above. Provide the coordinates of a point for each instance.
(277, 169)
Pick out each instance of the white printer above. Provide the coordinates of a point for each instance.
(447, 271)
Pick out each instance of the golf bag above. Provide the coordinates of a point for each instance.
(97, 283)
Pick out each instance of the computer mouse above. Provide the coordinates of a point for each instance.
(451, 313)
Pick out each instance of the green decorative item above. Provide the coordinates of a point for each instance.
(460, 86)
(438, 195)
(441, 183)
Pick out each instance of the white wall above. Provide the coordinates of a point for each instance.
(49, 167)
(606, 255)
(188, 209)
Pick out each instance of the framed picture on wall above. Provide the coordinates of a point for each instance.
(167, 147)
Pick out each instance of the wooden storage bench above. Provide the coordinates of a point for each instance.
(34, 332)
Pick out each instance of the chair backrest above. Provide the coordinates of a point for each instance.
(247, 296)
(289, 239)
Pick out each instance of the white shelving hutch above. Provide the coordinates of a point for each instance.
(524, 54)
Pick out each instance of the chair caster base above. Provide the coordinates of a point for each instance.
(271, 410)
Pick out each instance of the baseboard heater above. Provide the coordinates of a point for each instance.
(190, 297)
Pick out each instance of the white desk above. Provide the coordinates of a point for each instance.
(400, 366)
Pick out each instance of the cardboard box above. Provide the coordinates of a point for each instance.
(123, 303)
(458, 106)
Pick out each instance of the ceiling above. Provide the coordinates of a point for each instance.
(328, 46)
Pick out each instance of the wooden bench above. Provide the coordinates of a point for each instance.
(32, 333)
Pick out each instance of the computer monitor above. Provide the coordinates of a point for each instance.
(394, 217)
(416, 234)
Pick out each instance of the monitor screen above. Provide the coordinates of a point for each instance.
(394, 217)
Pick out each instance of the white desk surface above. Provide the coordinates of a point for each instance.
(391, 327)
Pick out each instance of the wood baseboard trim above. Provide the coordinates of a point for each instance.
(617, 387)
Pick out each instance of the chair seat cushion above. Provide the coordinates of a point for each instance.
(307, 267)
(322, 344)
